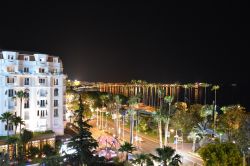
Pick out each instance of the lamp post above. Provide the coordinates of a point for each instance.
(220, 137)
(176, 140)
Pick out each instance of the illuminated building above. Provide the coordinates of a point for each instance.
(41, 77)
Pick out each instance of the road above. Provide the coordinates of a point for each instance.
(148, 145)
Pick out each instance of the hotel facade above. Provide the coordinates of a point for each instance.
(41, 77)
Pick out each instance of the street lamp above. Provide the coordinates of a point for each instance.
(176, 140)
(220, 137)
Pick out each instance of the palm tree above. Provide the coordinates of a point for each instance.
(205, 86)
(104, 98)
(128, 148)
(214, 88)
(194, 135)
(12, 141)
(185, 86)
(123, 123)
(143, 159)
(17, 120)
(131, 114)
(158, 118)
(133, 101)
(21, 95)
(166, 156)
(189, 85)
(118, 102)
(6, 117)
(169, 100)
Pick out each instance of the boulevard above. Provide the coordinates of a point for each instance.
(148, 145)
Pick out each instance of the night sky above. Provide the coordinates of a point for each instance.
(116, 42)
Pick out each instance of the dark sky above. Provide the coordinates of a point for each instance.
(157, 42)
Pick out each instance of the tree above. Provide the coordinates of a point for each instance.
(128, 148)
(194, 135)
(205, 86)
(158, 118)
(185, 86)
(143, 159)
(220, 154)
(167, 156)
(82, 142)
(242, 135)
(21, 95)
(169, 100)
(118, 102)
(231, 120)
(104, 98)
(6, 117)
(48, 150)
(12, 141)
(215, 88)
(17, 120)
(33, 151)
(133, 101)
(26, 136)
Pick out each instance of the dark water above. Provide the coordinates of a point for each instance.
(231, 94)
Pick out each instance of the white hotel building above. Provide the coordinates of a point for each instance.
(41, 76)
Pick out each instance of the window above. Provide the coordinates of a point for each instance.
(41, 70)
(42, 80)
(10, 127)
(10, 80)
(56, 92)
(26, 58)
(55, 59)
(54, 71)
(55, 103)
(10, 69)
(26, 104)
(11, 92)
(25, 69)
(42, 103)
(43, 93)
(42, 113)
(26, 81)
(11, 57)
(26, 115)
(55, 112)
(55, 81)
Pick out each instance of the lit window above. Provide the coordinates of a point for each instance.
(10, 69)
